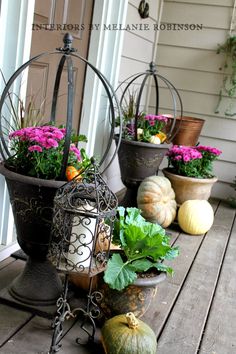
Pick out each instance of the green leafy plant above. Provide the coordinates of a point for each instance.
(229, 77)
(144, 246)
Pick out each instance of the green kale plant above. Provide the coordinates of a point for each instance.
(144, 245)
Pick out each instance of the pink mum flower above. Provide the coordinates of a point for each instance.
(209, 149)
(51, 143)
(76, 151)
(35, 148)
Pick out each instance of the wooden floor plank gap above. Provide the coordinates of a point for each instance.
(216, 285)
(17, 330)
(216, 205)
(182, 285)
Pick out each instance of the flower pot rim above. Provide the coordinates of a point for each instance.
(142, 143)
(27, 179)
(150, 281)
(189, 119)
(167, 171)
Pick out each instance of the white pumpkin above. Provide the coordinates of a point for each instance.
(195, 217)
(156, 199)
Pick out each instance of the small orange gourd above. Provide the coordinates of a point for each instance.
(71, 172)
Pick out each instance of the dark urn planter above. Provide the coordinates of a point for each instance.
(138, 160)
(135, 298)
(32, 205)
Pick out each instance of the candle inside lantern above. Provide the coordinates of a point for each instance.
(82, 238)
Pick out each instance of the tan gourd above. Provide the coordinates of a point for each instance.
(156, 199)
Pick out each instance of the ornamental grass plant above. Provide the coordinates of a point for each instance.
(195, 161)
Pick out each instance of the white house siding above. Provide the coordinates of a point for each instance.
(189, 60)
(138, 51)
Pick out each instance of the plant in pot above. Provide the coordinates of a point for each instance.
(190, 171)
(144, 139)
(143, 147)
(33, 174)
(133, 271)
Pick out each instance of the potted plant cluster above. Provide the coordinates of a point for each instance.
(142, 149)
(133, 271)
(33, 174)
(190, 171)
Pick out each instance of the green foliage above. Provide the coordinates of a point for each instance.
(229, 77)
(144, 246)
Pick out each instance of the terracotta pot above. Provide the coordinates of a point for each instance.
(187, 130)
(188, 188)
(32, 205)
(135, 298)
(138, 160)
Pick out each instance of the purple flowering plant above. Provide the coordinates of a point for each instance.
(38, 151)
(150, 127)
(192, 161)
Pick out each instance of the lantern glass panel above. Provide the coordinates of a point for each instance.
(84, 213)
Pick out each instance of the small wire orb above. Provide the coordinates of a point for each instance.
(127, 86)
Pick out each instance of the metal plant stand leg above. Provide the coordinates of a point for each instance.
(63, 312)
(88, 316)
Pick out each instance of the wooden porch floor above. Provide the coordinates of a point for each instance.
(194, 312)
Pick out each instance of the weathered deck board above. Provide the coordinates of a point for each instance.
(183, 330)
(11, 319)
(9, 272)
(194, 312)
(220, 332)
(168, 291)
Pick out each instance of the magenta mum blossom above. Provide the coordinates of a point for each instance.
(193, 161)
(35, 148)
(38, 151)
(145, 128)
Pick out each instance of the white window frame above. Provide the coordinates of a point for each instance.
(16, 41)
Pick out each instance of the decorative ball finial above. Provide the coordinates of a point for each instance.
(152, 67)
(67, 40)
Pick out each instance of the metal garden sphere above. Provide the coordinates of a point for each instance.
(151, 73)
(67, 54)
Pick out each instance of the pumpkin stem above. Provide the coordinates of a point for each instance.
(132, 320)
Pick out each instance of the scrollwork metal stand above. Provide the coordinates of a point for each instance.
(84, 214)
(64, 312)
